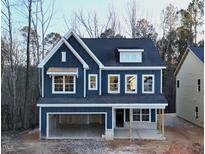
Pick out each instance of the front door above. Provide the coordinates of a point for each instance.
(119, 117)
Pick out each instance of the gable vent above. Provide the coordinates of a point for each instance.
(63, 56)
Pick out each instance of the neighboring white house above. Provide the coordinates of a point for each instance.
(190, 86)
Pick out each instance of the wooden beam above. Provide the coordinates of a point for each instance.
(163, 122)
(130, 124)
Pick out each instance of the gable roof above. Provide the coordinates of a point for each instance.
(197, 51)
(106, 50)
(53, 51)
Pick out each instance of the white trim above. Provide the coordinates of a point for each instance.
(84, 83)
(64, 92)
(76, 54)
(100, 73)
(134, 68)
(153, 84)
(96, 80)
(87, 113)
(161, 81)
(84, 46)
(42, 78)
(108, 84)
(51, 53)
(63, 56)
(130, 92)
(159, 106)
(130, 50)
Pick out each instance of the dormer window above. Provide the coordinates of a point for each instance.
(130, 55)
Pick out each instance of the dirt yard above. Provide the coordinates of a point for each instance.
(181, 138)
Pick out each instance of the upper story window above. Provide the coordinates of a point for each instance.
(141, 115)
(63, 56)
(148, 83)
(130, 55)
(92, 82)
(130, 83)
(198, 85)
(113, 83)
(64, 84)
(177, 83)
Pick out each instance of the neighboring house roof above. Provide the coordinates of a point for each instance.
(135, 99)
(197, 51)
(106, 50)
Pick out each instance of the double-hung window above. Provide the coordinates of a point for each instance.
(92, 82)
(64, 84)
(113, 83)
(148, 83)
(130, 83)
(141, 114)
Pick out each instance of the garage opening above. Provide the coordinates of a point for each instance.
(76, 125)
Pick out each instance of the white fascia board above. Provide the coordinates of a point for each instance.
(58, 45)
(84, 46)
(50, 54)
(162, 106)
(134, 68)
(130, 50)
(76, 54)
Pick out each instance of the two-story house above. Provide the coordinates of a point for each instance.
(190, 86)
(99, 87)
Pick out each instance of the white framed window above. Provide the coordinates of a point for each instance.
(148, 83)
(113, 83)
(130, 83)
(142, 115)
(131, 57)
(63, 56)
(64, 84)
(92, 82)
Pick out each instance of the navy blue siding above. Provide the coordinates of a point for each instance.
(122, 74)
(153, 115)
(71, 61)
(44, 111)
(94, 68)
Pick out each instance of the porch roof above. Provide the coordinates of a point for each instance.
(137, 99)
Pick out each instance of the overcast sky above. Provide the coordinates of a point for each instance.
(149, 9)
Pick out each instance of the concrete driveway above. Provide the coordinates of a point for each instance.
(181, 137)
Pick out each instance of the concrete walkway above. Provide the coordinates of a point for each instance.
(121, 133)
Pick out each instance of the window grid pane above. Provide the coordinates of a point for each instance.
(64, 83)
(148, 83)
(131, 83)
(113, 83)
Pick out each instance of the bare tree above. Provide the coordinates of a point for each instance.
(45, 20)
(27, 64)
(7, 18)
(132, 17)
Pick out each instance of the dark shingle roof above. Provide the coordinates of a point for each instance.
(151, 98)
(199, 52)
(105, 50)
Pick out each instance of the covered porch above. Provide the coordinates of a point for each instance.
(139, 123)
